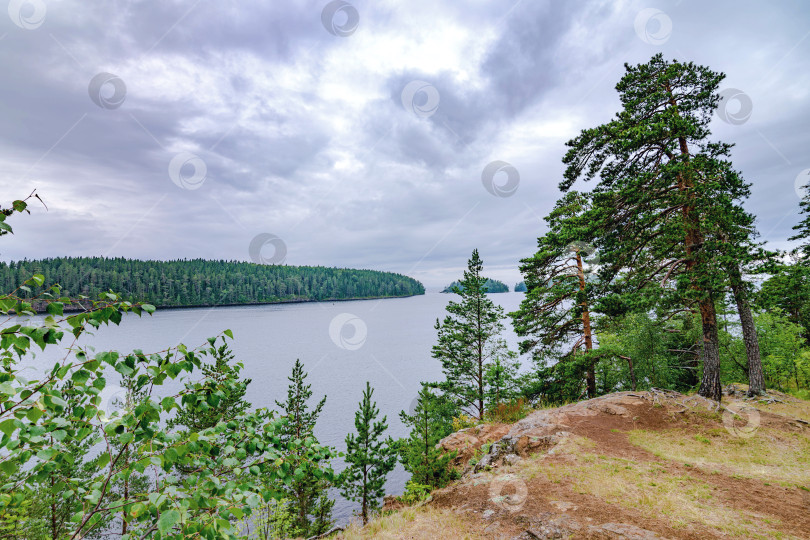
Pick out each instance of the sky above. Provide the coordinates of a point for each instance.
(388, 135)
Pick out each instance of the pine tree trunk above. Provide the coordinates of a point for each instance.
(480, 361)
(756, 378)
(710, 383)
(365, 496)
(590, 374)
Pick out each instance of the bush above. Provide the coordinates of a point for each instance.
(415, 492)
(463, 421)
(509, 412)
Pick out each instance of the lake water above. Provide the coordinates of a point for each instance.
(342, 345)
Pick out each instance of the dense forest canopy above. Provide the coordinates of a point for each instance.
(202, 282)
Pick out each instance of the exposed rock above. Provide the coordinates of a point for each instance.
(547, 525)
(623, 530)
(563, 505)
(510, 449)
(466, 441)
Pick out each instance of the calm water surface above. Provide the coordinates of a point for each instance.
(342, 345)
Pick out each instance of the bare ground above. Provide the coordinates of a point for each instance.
(633, 465)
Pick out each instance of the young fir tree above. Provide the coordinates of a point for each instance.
(369, 458)
(658, 186)
(555, 314)
(430, 421)
(229, 406)
(310, 506)
(469, 343)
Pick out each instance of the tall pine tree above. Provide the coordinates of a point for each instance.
(469, 343)
(555, 314)
(658, 184)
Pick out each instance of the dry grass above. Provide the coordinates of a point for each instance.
(787, 405)
(648, 488)
(791, 408)
(771, 456)
(668, 490)
(423, 522)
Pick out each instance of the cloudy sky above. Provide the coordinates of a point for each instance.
(356, 134)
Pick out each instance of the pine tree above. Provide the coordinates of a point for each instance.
(469, 342)
(788, 290)
(431, 421)
(369, 458)
(231, 405)
(737, 233)
(555, 314)
(309, 504)
(659, 180)
(803, 227)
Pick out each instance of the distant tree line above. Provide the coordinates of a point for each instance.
(203, 282)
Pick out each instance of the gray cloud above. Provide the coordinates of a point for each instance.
(303, 133)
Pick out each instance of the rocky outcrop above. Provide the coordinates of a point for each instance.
(512, 448)
(539, 432)
(467, 441)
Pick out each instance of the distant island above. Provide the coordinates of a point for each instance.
(492, 285)
(199, 282)
(521, 287)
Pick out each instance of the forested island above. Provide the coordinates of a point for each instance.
(491, 285)
(520, 287)
(199, 282)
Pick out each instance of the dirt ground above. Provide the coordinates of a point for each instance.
(636, 465)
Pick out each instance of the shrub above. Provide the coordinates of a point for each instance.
(508, 412)
(415, 492)
(463, 421)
